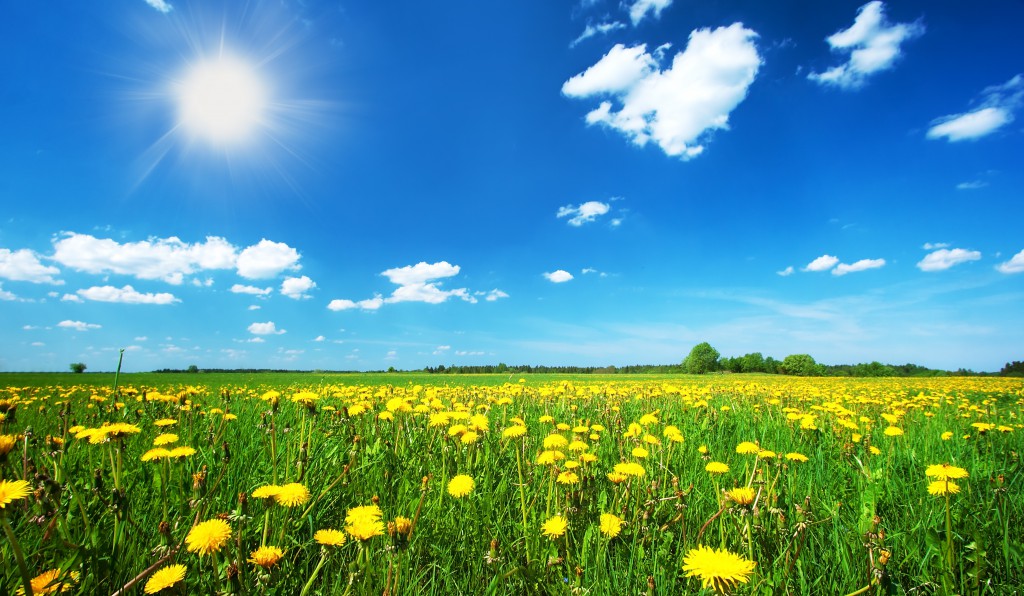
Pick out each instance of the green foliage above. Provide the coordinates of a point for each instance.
(702, 359)
(192, 368)
(77, 367)
(800, 365)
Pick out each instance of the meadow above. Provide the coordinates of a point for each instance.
(433, 484)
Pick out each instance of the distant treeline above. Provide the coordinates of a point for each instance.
(702, 360)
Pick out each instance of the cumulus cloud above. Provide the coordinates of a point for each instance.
(861, 265)
(677, 107)
(70, 298)
(599, 29)
(368, 304)
(441, 350)
(641, 8)
(822, 263)
(558, 276)
(251, 290)
(468, 353)
(167, 259)
(268, 328)
(944, 258)
(786, 272)
(1014, 265)
(416, 283)
(583, 213)
(297, 288)
(78, 325)
(267, 259)
(934, 245)
(5, 295)
(125, 295)
(160, 5)
(254, 307)
(24, 265)
(493, 296)
(997, 105)
(872, 43)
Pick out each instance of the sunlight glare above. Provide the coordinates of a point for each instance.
(221, 100)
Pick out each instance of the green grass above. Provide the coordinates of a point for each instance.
(819, 527)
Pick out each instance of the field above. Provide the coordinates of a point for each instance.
(433, 484)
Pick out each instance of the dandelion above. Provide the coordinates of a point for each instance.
(893, 431)
(165, 422)
(718, 569)
(611, 525)
(941, 488)
(469, 438)
(568, 478)
(945, 472)
(329, 537)
(156, 453)
(51, 582)
(266, 556)
(208, 537)
(401, 526)
(800, 457)
(640, 452)
(7, 444)
(182, 452)
(555, 442)
(554, 527)
(11, 491)
(746, 448)
(266, 491)
(716, 467)
(292, 495)
(165, 439)
(617, 477)
(460, 486)
(165, 578)
(743, 495)
(630, 469)
(513, 432)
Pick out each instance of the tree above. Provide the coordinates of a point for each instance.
(192, 368)
(801, 365)
(78, 367)
(702, 359)
(753, 362)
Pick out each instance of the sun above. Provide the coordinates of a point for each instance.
(222, 100)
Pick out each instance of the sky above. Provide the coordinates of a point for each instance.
(360, 185)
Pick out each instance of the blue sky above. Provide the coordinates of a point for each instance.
(358, 185)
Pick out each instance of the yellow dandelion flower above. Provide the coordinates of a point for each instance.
(794, 456)
(743, 495)
(513, 432)
(51, 582)
(945, 472)
(640, 452)
(468, 438)
(266, 491)
(630, 469)
(165, 439)
(875, 450)
(156, 453)
(266, 556)
(568, 478)
(401, 526)
(577, 446)
(164, 578)
(208, 537)
(182, 452)
(554, 527)
(7, 444)
(941, 488)
(611, 525)
(893, 431)
(746, 447)
(716, 467)
(165, 422)
(547, 458)
(365, 528)
(717, 569)
(330, 537)
(588, 458)
(460, 486)
(292, 495)
(766, 454)
(13, 490)
(617, 477)
(555, 441)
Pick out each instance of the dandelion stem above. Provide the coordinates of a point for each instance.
(26, 579)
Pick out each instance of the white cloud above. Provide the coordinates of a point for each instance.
(70, 298)
(167, 259)
(24, 265)
(598, 29)
(391, 355)
(822, 263)
(268, 328)
(861, 265)
(254, 307)
(558, 276)
(254, 340)
(160, 5)
(421, 272)
(972, 185)
(468, 353)
(677, 107)
(786, 272)
(584, 212)
(29, 327)
(416, 283)
(319, 338)
(1014, 265)
(267, 259)
(441, 350)
(368, 304)
(78, 325)
(996, 109)
(494, 295)
(296, 288)
(141, 338)
(872, 43)
(640, 8)
(251, 290)
(944, 258)
(5, 295)
(934, 245)
(125, 295)
(37, 344)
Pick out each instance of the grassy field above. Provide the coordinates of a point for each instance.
(490, 484)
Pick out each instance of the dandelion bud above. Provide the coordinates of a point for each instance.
(164, 528)
(375, 500)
